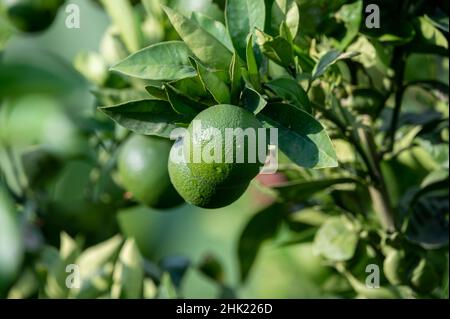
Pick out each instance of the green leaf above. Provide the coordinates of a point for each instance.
(157, 92)
(205, 46)
(213, 27)
(289, 90)
(128, 273)
(96, 266)
(261, 227)
(11, 242)
(286, 11)
(181, 103)
(351, 16)
(252, 65)
(336, 239)
(302, 190)
(212, 268)
(277, 49)
(252, 100)
(149, 117)
(212, 83)
(107, 96)
(242, 17)
(300, 136)
(328, 59)
(161, 61)
(235, 77)
(124, 17)
(167, 289)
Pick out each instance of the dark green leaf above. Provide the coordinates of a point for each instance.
(303, 190)
(213, 84)
(289, 90)
(157, 92)
(300, 136)
(161, 61)
(262, 226)
(277, 49)
(150, 117)
(235, 77)
(181, 103)
(252, 100)
(252, 65)
(205, 46)
(328, 59)
(242, 17)
(211, 268)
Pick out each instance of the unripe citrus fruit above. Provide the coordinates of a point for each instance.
(219, 145)
(142, 166)
(201, 192)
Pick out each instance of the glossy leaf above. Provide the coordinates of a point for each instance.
(205, 46)
(213, 27)
(242, 17)
(252, 100)
(286, 11)
(252, 65)
(289, 90)
(161, 61)
(351, 15)
(212, 83)
(300, 136)
(149, 117)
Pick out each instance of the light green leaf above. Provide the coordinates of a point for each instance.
(96, 266)
(242, 17)
(213, 84)
(300, 136)
(128, 273)
(149, 117)
(161, 61)
(107, 96)
(351, 16)
(205, 46)
(11, 243)
(213, 27)
(286, 11)
(336, 240)
(167, 289)
(124, 17)
(292, 92)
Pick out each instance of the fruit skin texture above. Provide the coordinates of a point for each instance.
(142, 165)
(222, 174)
(211, 184)
(199, 192)
(32, 15)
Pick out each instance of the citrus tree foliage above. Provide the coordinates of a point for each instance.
(362, 117)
